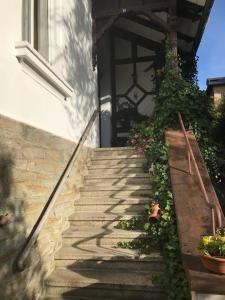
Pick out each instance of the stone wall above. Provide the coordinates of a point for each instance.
(31, 162)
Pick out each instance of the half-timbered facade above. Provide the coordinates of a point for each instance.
(128, 50)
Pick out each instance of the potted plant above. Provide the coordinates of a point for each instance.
(212, 249)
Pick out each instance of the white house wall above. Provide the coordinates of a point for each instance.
(25, 96)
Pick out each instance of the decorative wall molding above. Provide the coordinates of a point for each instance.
(26, 54)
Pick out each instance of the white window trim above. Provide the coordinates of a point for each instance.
(27, 55)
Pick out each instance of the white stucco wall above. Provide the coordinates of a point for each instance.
(24, 96)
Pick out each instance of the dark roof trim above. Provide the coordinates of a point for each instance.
(215, 81)
(202, 24)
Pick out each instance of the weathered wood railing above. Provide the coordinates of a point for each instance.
(193, 213)
(191, 157)
(24, 253)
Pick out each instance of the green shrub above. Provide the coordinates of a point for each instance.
(176, 93)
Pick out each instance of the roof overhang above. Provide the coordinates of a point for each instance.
(190, 21)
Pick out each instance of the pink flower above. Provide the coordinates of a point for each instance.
(139, 150)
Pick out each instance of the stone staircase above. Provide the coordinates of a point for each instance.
(90, 265)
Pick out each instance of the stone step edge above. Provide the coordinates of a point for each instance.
(150, 258)
(113, 149)
(118, 157)
(117, 176)
(104, 286)
(71, 234)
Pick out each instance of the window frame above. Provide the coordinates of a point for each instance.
(36, 22)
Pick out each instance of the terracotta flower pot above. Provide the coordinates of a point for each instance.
(4, 219)
(214, 264)
(155, 211)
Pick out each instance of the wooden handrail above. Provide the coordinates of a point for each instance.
(191, 156)
(23, 254)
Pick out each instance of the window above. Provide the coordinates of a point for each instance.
(35, 25)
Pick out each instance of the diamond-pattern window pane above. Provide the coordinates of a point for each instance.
(146, 107)
(123, 103)
(124, 78)
(135, 94)
(145, 76)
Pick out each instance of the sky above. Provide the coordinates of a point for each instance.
(211, 51)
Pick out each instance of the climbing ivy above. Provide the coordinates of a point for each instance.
(177, 92)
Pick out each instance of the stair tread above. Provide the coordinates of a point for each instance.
(120, 166)
(124, 187)
(84, 277)
(109, 200)
(103, 216)
(107, 232)
(96, 252)
(88, 265)
(113, 149)
(119, 157)
(116, 176)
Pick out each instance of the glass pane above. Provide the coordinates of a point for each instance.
(146, 75)
(124, 78)
(141, 52)
(146, 107)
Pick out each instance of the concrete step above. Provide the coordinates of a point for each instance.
(116, 175)
(111, 208)
(106, 292)
(114, 151)
(116, 193)
(98, 298)
(86, 277)
(117, 163)
(97, 170)
(83, 224)
(103, 216)
(96, 241)
(109, 187)
(123, 156)
(91, 298)
(101, 283)
(99, 236)
(97, 252)
(117, 181)
(154, 261)
(111, 201)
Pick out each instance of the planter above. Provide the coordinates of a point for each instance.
(214, 264)
(4, 219)
(154, 212)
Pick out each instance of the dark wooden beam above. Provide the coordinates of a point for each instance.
(187, 5)
(148, 24)
(138, 39)
(185, 37)
(189, 15)
(99, 34)
(124, 61)
(202, 23)
(157, 20)
(155, 6)
(145, 22)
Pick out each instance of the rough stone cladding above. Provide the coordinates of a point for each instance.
(31, 161)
